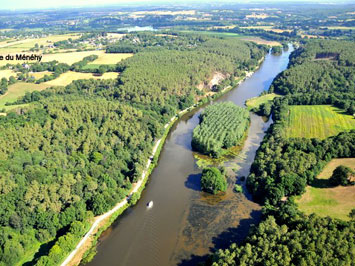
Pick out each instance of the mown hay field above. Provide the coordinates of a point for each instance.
(325, 200)
(68, 77)
(6, 73)
(317, 121)
(17, 90)
(70, 58)
(109, 59)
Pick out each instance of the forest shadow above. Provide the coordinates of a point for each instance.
(321, 183)
(184, 140)
(224, 240)
(193, 182)
(46, 247)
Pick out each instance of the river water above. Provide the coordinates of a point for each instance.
(186, 224)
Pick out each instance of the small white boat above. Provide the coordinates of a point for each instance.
(150, 204)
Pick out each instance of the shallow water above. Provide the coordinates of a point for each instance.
(186, 223)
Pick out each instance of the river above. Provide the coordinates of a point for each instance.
(186, 224)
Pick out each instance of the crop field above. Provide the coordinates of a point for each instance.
(69, 58)
(108, 59)
(17, 46)
(68, 77)
(317, 121)
(259, 40)
(29, 43)
(6, 73)
(38, 75)
(19, 89)
(257, 101)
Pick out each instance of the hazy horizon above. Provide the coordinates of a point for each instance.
(57, 4)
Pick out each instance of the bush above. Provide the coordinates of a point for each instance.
(213, 181)
(341, 176)
(134, 198)
(238, 188)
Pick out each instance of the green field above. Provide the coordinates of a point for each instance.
(17, 90)
(96, 66)
(317, 121)
(335, 202)
(257, 101)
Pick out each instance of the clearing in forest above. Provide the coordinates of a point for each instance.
(317, 121)
(323, 200)
(110, 59)
(17, 90)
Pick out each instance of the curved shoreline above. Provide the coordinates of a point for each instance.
(84, 244)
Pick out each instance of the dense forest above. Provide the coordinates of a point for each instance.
(221, 126)
(76, 150)
(320, 72)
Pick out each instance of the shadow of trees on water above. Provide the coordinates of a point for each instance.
(224, 240)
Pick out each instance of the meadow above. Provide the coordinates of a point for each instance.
(257, 101)
(17, 90)
(323, 200)
(317, 121)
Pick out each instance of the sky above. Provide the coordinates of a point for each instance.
(45, 4)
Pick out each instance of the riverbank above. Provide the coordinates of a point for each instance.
(103, 221)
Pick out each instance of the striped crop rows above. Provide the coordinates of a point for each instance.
(222, 126)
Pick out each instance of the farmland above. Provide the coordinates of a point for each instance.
(335, 202)
(259, 40)
(68, 77)
(69, 58)
(72, 57)
(17, 90)
(108, 59)
(317, 121)
(15, 46)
